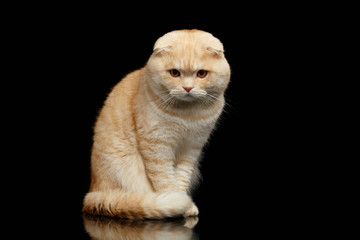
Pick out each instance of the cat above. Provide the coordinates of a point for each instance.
(150, 133)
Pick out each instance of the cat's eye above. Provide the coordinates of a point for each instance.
(174, 73)
(201, 73)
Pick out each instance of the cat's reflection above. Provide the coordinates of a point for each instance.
(109, 229)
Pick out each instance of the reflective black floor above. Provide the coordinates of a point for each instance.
(109, 228)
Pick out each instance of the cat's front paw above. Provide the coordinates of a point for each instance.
(192, 211)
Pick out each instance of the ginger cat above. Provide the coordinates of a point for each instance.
(151, 130)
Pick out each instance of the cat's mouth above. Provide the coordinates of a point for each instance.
(189, 97)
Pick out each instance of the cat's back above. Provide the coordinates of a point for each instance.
(127, 87)
(118, 107)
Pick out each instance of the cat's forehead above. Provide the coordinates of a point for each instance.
(188, 64)
(187, 58)
(189, 41)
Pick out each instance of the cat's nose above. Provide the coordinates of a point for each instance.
(188, 89)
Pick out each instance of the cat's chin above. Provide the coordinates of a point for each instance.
(186, 98)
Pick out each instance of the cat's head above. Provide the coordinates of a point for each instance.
(189, 65)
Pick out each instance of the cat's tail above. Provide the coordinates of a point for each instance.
(136, 206)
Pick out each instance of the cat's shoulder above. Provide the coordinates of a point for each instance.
(129, 84)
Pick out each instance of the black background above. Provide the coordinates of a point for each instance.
(255, 167)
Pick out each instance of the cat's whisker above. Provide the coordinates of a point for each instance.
(226, 102)
(163, 99)
(212, 96)
(167, 101)
(207, 103)
(172, 101)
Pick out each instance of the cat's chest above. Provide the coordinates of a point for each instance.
(190, 124)
(175, 129)
(188, 120)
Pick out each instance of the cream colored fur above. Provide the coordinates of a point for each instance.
(151, 130)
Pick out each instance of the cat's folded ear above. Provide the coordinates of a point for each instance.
(157, 51)
(217, 52)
